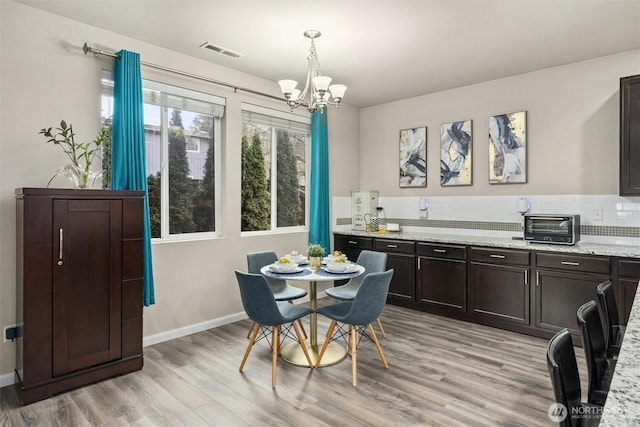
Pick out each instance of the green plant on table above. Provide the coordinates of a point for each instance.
(315, 250)
(81, 154)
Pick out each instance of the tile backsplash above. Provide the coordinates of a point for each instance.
(607, 219)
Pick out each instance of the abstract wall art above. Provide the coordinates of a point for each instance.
(508, 148)
(413, 157)
(455, 153)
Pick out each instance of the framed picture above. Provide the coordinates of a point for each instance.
(455, 153)
(508, 148)
(413, 157)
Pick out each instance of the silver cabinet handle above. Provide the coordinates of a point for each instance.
(440, 251)
(419, 259)
(497, 256)
(526, 277)
(392, 246)
(537, 278)
(61, 239)
(352, 242)
(570, 263)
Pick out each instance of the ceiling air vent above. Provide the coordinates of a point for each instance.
(220, 49)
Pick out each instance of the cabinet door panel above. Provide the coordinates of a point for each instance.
(629, 135)
(560, 294)
(443, 282)
(500, 291)
(403, 282)
(86, 283)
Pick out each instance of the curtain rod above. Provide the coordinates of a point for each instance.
(88, 49)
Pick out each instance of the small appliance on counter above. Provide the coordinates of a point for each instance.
(364, 204)
(553, 229)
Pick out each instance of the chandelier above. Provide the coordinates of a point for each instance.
(316, 93)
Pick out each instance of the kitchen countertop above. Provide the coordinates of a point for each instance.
(627, 251)
(622, 407)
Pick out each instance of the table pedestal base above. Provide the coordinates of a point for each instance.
(293, 354)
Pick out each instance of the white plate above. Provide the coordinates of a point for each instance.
(349, 269)
(277, 269)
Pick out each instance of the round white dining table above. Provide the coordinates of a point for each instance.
(292, 352)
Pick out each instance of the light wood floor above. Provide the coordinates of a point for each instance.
(442, 372)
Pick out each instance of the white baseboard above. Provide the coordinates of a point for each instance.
(192, 329)
(7, 379)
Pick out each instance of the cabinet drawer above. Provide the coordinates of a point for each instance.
(592, 264)
(395, 246)
(442, 251)
(627, 268)
(500, 256)
(344, 242)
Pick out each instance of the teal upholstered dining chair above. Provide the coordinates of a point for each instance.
(358, 314)
(282, 291)
(373, 262)
(261, 307)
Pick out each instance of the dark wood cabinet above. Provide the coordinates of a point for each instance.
(499, 285)
(531, 291)
(563, 283)
(401, 258)
(79, 287)
(630, 135)
(442, 277)
(628, 277)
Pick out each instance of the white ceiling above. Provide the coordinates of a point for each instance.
(383, 50)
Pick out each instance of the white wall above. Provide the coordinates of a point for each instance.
(45, 77)
(572, 130)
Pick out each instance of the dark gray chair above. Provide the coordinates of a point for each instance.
(373, 262)
(359, 313)
(565, 380)
(613, 331)
(599, 367)
(261, 307)
(282, 291)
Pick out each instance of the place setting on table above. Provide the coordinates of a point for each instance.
(296, 267)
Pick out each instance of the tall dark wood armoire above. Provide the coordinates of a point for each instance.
(79, 288)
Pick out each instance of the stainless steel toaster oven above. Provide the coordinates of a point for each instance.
(554, 229)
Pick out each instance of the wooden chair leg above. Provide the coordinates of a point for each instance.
(250, 346)
(332, 326)
(253, 324)
(275, 340)
(302, 344)
(304, 332)
(375, 340)
(354, 350)
(381, 328)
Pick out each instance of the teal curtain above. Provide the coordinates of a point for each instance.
(319, 215)
(128, 169)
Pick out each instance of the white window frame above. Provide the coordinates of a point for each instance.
(218, 101)
(305, 120)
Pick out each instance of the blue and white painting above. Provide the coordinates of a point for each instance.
(455, 153)
(413, 157)
(508, 148)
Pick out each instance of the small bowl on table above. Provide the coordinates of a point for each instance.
(283, 267)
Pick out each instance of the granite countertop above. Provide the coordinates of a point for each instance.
(628, 251)
(622, 407)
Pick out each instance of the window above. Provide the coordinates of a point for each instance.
(182, 141)
(275, 148)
